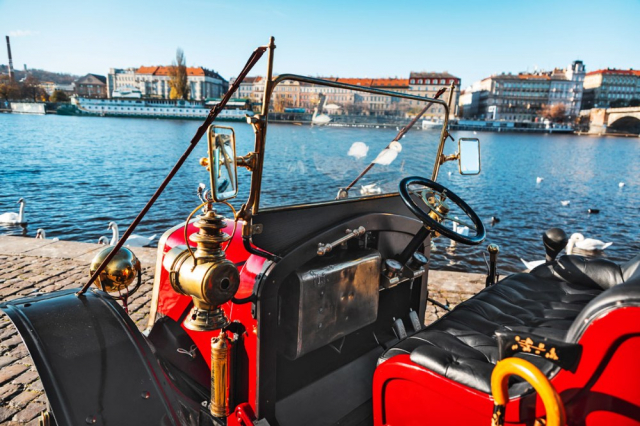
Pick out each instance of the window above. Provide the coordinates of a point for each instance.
(442, 81)
(420, 81)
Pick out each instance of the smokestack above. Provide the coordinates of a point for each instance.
(10, 59)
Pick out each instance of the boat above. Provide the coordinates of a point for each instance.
(314, 313)
(431, 124)
(130, 106)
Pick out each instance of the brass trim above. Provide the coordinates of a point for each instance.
(443, 135)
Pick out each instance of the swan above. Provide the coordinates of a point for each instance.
(533, 264)
(103, 240)
(13, 218)
(539, 180)
(370, 189)
(389, 154)
(134, 240)
(42, 235)
(578, 240)
(621, 185)
(565, 202)
(358, 150)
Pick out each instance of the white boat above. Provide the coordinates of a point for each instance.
(431, 124)
(236, 109)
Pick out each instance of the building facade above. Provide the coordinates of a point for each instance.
(293, 94)
(521, 97)
(611, 88)
(153, 82)
(91, 86)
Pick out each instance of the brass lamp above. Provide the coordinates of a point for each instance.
(120, 273)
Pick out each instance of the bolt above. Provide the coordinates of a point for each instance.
(145, 395)
(90, 419)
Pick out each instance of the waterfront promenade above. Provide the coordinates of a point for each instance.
(32, 265)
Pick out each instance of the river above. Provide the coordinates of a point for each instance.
(79, 173)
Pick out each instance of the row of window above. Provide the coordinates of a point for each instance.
(432, 81)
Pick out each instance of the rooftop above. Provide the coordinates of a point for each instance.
(614, 71)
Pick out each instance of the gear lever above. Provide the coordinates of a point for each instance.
(554, 239)
(492, 275)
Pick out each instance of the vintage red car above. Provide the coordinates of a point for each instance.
(313, 314)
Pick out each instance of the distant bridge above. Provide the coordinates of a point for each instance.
(614, 120)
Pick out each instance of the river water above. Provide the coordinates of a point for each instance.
(79, 173)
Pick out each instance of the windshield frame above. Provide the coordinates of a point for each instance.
(261, 122)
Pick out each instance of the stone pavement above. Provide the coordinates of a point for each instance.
(29, 265)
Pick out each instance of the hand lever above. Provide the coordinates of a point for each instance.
(492, 276)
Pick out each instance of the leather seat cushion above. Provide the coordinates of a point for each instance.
(461, 345)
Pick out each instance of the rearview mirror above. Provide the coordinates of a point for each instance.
(222, 160)
(469, 156)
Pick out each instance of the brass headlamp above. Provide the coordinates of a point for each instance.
(206, 274)
(120, 273)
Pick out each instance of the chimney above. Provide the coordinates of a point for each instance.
(10, 59)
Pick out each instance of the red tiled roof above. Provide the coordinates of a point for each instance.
(615, 71)
(153, 70)
(373, 82)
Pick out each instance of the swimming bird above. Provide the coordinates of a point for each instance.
(565, 202)
(134, 240)
(495, 220)
(449, 174)
(539, 179)
(358, 150)
(389, 154)
(533, 264)
(42, 235)
(11, 218)
(593, 211)
(371, 189)
(103, 240)
(587, 244)
(621, 185)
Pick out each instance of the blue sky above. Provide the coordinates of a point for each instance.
(470, 39)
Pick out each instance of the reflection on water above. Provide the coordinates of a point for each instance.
(79, 173)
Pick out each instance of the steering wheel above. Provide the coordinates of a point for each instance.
(435, 210)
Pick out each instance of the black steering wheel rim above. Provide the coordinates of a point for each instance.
(434, 225)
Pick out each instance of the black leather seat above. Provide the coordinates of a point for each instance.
(462, 346)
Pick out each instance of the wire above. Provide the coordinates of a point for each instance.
(186, 226)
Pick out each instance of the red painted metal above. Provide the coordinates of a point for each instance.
(243, 416)
(603, 391)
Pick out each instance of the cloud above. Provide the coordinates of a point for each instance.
(23, 33)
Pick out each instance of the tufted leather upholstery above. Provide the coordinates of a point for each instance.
(461, 345)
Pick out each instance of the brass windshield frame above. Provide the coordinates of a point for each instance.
(260, 124)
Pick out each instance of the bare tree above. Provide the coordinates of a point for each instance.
(31, 89)
(178, 77)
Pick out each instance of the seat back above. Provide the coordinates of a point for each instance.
(617, 297)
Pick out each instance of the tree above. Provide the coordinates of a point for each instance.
(555, 113)
(31, 89)
(178, 77)
(9, 89)
(59, 96)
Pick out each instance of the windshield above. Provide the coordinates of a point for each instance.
(320, 139)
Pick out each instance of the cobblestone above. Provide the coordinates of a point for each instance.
(22, 397)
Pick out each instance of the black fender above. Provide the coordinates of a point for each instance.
(95, 365)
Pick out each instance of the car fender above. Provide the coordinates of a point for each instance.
(95, 365)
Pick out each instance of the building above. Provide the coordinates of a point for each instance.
(428, 84)
(153, 82)
(91, 86)
(294, 94)
(611, 88)
(51, 87)
(521, 97)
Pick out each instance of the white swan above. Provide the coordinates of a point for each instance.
(103, 241)
(358, 150)
(11, 218)
(388, 154)
(371, 189)
(621, 185)
(533, 264)
(539, 179)
(565, 202)
(587, 244)
(134, 240)
(42, 235)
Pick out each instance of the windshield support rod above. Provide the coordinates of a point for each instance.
(399, 136)
(255, 57)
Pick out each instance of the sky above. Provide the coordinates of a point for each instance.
(470, 39)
